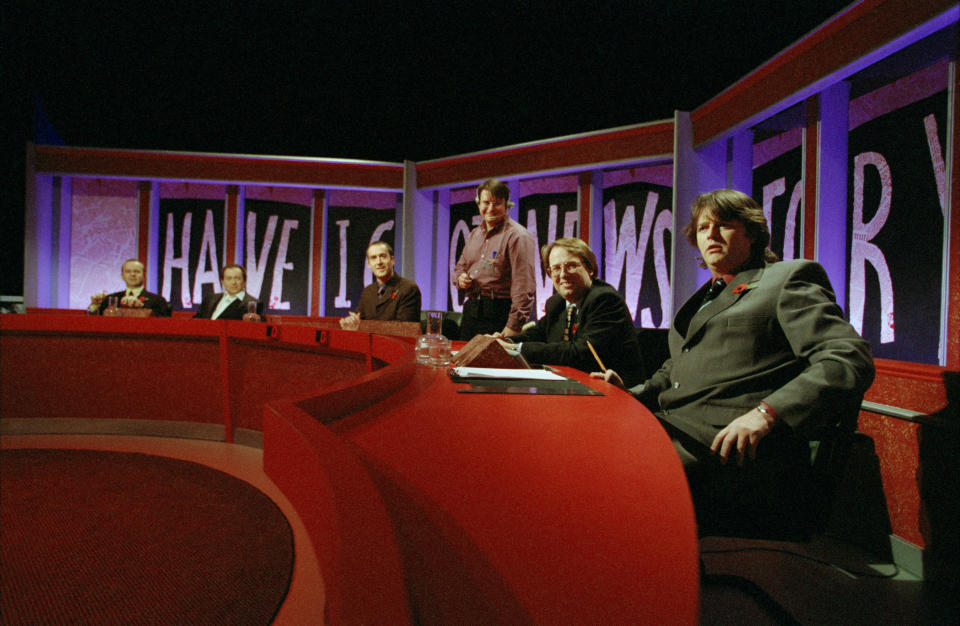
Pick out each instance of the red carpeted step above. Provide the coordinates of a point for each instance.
(110, 537)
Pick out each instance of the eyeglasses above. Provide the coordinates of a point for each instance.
(569, 267)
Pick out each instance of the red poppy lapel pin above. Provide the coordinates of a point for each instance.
(393, 296)
(744, 287)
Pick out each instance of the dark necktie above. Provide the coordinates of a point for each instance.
(568, 331)
(380, 290)
(714, 291)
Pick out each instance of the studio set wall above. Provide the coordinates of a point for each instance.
(848, 139)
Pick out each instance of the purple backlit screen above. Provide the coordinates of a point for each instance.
(635, 257)
(896, 200)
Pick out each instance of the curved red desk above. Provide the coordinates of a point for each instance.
(423, 504)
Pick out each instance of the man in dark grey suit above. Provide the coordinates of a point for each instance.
(759, 356)
(234, 303)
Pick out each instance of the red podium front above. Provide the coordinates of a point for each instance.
(423, 504)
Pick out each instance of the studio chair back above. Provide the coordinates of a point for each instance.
(801, 503)
(451, 324)
(841, 497)
(654, 349)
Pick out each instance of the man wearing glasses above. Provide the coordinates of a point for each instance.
(584, 312)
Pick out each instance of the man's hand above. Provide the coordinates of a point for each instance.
(95, 301)
(351, 321)
(508, 332)
(464, 281)
(131, 302)
(743, 435)
(611, 377)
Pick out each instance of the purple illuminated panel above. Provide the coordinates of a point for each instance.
(463, 218)
(897, 211)
(778, 188)
(637, 239)
(276, 247)
(548, 208)
(355, 219)
(103, 235)
(192, 242)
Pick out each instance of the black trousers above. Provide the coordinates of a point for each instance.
(483, 316)
(767, 496)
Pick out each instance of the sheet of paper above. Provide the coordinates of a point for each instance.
(496, 372)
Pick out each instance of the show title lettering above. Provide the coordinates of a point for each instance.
(201, 267)
(342, 301)
(863, 251)
(626, 253)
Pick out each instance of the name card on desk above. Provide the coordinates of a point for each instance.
(485, 351)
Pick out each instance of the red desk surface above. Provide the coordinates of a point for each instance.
(443, 507)
(529, 509)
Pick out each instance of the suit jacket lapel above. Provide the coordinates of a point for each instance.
(389, 289)
(725, 300)
(555, 313)
(234, 307)
(388, 292)
(213, 305)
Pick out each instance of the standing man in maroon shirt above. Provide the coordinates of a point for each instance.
(496, 268)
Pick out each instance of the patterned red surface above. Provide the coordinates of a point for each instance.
(119, 538)
(919, 388)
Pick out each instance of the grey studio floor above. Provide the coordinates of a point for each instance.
(771, 582)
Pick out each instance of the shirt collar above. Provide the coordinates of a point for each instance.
(498, 229)
(238, 296)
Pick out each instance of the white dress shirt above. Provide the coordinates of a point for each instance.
(226, 301)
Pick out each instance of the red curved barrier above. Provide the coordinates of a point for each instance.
(424, 504)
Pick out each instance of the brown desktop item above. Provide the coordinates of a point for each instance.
(390, 327)
(484, 351)
(131, 312)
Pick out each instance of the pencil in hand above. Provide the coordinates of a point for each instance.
(603, 368)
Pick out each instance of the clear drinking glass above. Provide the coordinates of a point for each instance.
(433, 348)
(434, 322)
(250, 311)
(113, 306)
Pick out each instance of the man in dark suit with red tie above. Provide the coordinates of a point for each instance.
(585, 312)
(234, 303)
(135, 296)
(389, 296)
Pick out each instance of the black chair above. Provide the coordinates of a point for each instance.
(450, 327)
(801, 506)
(654, 349)
(841, 496)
